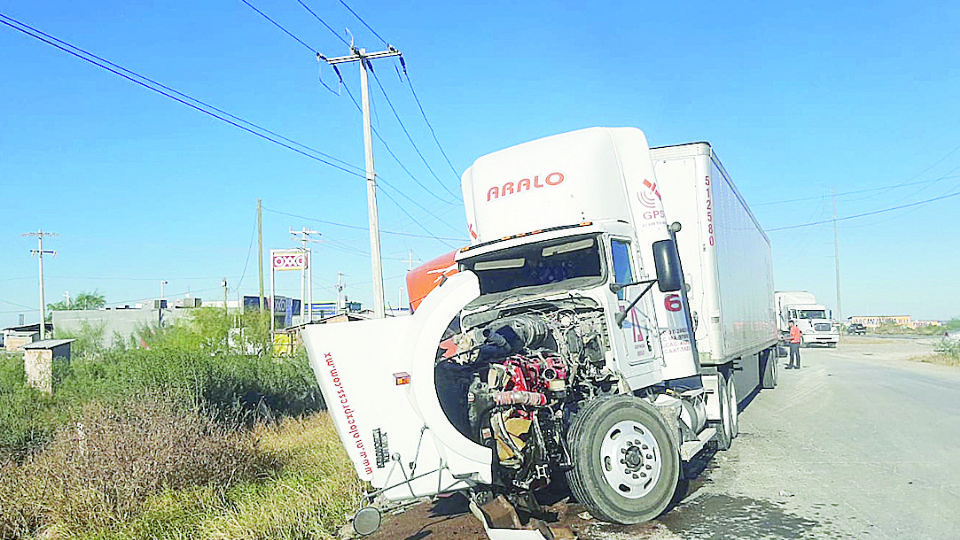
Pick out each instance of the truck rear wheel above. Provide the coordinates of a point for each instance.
(734, 408)
(625, 463)
(769, 370)
(724, 427)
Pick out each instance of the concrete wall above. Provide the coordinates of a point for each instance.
(14, 341)
(117, 324)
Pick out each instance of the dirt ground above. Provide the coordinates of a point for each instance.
(450, 517)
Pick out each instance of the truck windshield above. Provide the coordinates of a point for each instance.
(541, 263)
(812, 314)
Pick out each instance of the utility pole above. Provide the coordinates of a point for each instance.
(260, 250)
(40, 253)
(340, 286)
(223, 283)
(836, 255)
(361, 55)
(306, 274)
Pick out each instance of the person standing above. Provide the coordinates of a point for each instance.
(795, 340)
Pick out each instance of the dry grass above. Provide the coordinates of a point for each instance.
(946, 353)
(311, 498)
(156, 472)
(98, 473)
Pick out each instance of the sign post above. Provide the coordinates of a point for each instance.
(282, 260)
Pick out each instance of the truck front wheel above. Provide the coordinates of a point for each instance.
(625, 463)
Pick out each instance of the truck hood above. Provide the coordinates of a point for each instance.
(395, 432)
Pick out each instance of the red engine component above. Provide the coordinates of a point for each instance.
(533, 374)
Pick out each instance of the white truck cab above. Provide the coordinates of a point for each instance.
(814, 320)
(560, 347)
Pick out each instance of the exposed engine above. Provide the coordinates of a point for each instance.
(510, 379)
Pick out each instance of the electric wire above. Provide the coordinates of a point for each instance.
(864, 214)
(18, 305)
(359, 228)
(249, 251)
(358, 106)
(409, 137)
(855, 192)
(324, 23)
(413, 219)
(425, 119)
(390, 151)
(132, 77)
(359, 18)
(387, 184)
(278, 25)
(378, 135)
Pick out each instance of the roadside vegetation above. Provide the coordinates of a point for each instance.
(194, 431)
(946, 351)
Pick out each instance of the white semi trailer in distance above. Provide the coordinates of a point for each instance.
(566, 341)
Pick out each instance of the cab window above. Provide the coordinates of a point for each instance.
(622, 269)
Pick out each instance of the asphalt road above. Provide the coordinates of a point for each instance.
(859, 443)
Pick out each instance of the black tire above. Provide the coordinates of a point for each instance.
(625, 463)
(734, 408)
(770, 371)
(724, 436)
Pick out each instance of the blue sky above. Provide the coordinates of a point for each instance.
(797, 99)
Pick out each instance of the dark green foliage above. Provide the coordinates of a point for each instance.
(84, 300)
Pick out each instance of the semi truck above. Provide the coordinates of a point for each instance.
(572, 342)
(814, 320)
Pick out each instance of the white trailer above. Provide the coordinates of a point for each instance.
(814, 319)
(727, 263)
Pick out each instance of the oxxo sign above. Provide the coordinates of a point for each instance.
(288, 260)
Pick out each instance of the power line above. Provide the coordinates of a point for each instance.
(410, 138)
(359, 18)
(18, 305)
(855, 216)
(359, 107)
(324, 23)
(391, 152)
(359, 228)
(199, 106)
(253, 233)
(387, 184)
(424, 114)
(413, 219)
(278, 25)
(855, 192)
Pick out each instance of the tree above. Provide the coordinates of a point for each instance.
(84, 300)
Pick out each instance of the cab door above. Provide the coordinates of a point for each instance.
(636, 336)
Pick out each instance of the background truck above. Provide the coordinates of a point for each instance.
(557, 346)
(814, 320)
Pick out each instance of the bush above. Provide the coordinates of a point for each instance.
(100, 471)
(26, 423)
(236, 388)
(949, 350)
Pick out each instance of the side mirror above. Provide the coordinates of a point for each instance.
(667, 262)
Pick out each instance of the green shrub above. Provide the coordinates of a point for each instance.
(26, 422)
